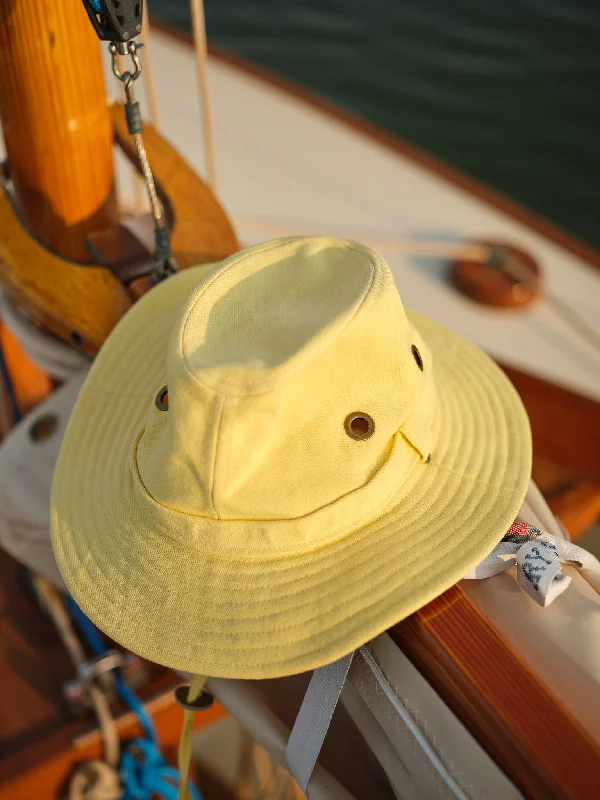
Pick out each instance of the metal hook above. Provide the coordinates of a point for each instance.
(131, 49)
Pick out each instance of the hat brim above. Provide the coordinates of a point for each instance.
(193, 612)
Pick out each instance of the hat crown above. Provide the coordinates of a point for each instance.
(272, 352)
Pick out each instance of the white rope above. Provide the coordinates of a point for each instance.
(140, 199)
(62, 621)
(199, 26)
(94, 780)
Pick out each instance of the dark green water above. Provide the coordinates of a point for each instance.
(507, 91)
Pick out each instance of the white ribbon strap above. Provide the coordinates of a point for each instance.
(538, 558)
(314, 718)
(371, 698)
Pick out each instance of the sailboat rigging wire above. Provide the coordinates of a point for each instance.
(151, 97)
(134, 121)
(201, 51)
(149, 82)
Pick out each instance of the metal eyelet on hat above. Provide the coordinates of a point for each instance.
(359, 425)
(201, 703)
(43, 428)
(417, 357)
(161, 401)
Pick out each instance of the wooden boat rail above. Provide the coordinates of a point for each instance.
(526, 730)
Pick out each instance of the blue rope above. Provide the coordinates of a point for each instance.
(9, 386)
(143, 770)
(96, 642)
(145, 774)
(98, 5)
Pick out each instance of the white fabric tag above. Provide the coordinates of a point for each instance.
(538, 560)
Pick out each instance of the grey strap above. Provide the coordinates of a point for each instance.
(314, 718)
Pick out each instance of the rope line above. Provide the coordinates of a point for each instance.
(201, 51)
(60, 617)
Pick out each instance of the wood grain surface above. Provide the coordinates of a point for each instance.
(55, 121)
(82, 304)
(78, 303)
(565, 426)
(201, 230)
(531, 736)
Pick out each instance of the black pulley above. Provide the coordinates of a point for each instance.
(115, 20)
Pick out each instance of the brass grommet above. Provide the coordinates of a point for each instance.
(201, 703)
(417, 357)
(43, 428)
(161, 401)
(359, 425)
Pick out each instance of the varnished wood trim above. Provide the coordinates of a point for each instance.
(73, 299)
(201, 231)
(66, 297)
(565, 426)
(532, 737)
(577, 507)
(55, 122)
(454, 176)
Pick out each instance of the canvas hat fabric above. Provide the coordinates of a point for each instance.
(271, 462)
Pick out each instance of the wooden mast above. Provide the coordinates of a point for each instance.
(56, 123)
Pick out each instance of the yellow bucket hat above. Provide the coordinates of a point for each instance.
(271, 462)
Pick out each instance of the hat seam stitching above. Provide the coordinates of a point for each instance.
(316, 649)
(468, 476)
(216, 455)
(150, 496)
(366, 293)
(383, 599)
(239, 555)
(138, 480)
(292, 594)
(93, 390)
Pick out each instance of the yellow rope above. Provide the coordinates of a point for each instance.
(199, 26)
(185, 743)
